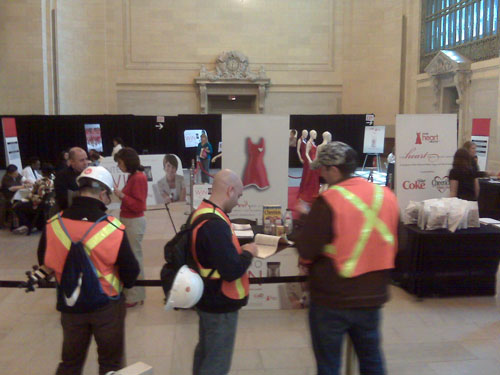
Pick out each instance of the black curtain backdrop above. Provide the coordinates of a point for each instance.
(47, 136)
(349, 129)
(212, 124)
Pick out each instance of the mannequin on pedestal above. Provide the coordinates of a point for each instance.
(327, 138)
(301, 152)
(310, 181)
(301, 145)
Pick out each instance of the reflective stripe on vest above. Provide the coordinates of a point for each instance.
(90, 245)
(238, 284)
(372, 222)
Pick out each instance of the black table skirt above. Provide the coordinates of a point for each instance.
(441, 263)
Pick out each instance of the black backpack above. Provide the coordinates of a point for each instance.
(177, 251)
(80, 287)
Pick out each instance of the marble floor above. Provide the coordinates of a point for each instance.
(434, 336)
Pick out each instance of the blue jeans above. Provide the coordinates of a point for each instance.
(328, 327)
(214, 351)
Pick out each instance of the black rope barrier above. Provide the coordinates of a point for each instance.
(253, 280)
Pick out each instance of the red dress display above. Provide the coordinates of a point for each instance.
(305, 165)
(310, 187)
(255, 171)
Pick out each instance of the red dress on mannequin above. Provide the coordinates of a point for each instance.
(255, 171)
(310, 187)
(305, 166)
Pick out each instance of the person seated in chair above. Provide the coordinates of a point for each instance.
(32, 213)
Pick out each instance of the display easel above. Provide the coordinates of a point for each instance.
(378, 161)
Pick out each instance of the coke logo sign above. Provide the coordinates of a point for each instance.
(414, 185)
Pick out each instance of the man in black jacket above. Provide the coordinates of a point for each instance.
(65, 186)
(223, 264)
(109, 251)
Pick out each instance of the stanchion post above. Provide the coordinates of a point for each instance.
(191, 186)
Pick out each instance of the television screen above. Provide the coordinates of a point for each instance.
(192, 137)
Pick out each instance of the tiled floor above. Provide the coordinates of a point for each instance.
(434, 336)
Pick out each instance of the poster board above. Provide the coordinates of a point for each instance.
(153, 165)
(93, 136)
(425, 145)
(374, 140)
(481, 138)
(256, 148)
(11, 143)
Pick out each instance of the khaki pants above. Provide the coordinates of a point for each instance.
(135, 229)
(107, 325)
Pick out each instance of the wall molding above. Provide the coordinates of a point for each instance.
(132, 64)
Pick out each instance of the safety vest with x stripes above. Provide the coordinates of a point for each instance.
(101, 244)
(365, 221)
(237, 289)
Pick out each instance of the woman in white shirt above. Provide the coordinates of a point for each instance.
(117, 145)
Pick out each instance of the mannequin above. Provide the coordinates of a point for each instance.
(327, 138)
(301, 145)
(311, 146)
(310, 181)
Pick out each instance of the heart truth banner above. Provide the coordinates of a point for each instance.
(425, 145)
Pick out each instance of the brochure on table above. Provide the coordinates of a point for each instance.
(256, 148)
(425, 145)
(153, 165)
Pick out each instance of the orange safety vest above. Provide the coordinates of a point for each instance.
(365, 221)
(101, 244)
(237, 289)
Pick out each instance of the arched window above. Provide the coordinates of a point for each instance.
(468, 26)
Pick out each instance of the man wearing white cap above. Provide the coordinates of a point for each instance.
(349, 243)
(85, 241)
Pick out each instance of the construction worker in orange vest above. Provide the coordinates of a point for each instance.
(100, 311)
(223, 265)
(349, 241)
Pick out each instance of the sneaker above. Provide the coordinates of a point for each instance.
(23, 229)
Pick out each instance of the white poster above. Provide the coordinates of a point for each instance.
(374, 140)
(192, 137)
(256, 148)
(481, 143)
(153, 168)
(94, 138)
(276, 296)
(425, 145)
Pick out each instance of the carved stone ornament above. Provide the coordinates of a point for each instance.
(233, 65)
(447, 62)
(232, 76)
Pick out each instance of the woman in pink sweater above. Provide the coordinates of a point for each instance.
(133, 197)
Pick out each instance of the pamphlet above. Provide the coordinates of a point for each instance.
(268, 245)
(487, 220)
(243, 230)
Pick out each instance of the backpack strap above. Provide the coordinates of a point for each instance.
(59, 218)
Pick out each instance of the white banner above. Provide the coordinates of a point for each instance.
(481, 143)
(425, 145)
(374, 140)
(276, 296)
(256, 148)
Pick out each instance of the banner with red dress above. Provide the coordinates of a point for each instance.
(256, 148)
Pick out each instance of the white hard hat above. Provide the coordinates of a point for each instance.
(100, 174)
(186, 290)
